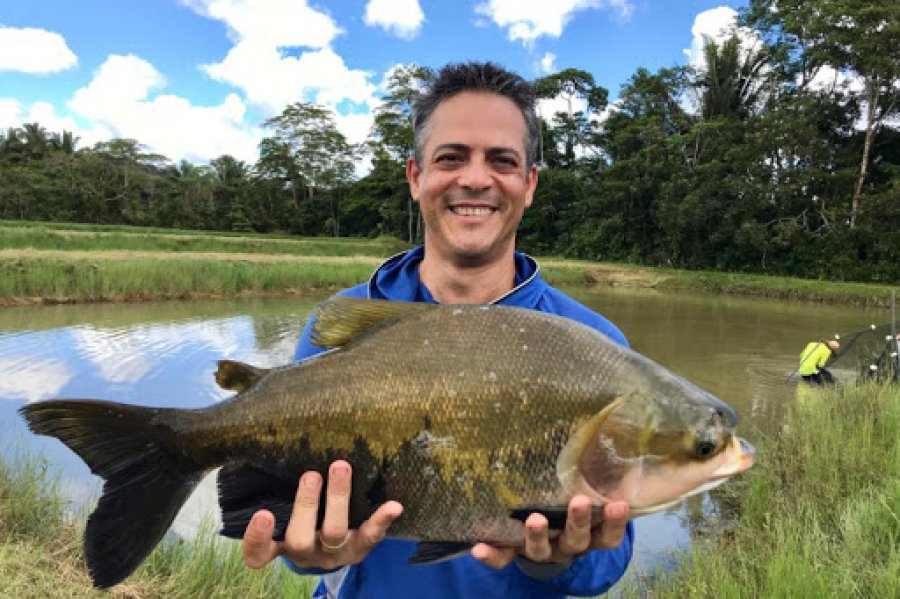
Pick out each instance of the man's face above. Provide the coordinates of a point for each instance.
(472, 187)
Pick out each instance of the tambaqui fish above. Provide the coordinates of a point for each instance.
(471, 416)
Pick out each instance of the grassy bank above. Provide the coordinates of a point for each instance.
(40, 554)
(820, 514)
(137, 278)
(85, 239)
(786, 288)
(59, 262)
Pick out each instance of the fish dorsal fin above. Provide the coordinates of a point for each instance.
(341, 319)
(237, 376)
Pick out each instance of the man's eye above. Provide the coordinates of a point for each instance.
(506, 161)
(448, 158)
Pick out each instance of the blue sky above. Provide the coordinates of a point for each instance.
(194, 79)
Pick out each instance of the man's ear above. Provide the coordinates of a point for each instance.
(532, 185)
(413, 172)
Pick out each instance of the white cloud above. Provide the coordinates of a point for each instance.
(283, 23)
(828, 79)
(32, 380)
(547, 107)
(402, 18)
(120, 99)
(10, 113)
(272, 80)
(35, 51)
(528, 20)
(548, 63)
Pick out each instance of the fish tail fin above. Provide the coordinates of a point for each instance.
(147, 476)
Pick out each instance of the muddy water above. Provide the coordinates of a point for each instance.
(163, 354)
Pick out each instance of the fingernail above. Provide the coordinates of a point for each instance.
(310, 481)
(340, 473)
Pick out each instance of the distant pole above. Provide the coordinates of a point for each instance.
(894, 341)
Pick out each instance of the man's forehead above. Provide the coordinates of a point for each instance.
(482, 119)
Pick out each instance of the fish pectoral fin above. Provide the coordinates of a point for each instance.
(556, 517)
(237, 376)
(433, 552)
(245, 489)
(341, 319)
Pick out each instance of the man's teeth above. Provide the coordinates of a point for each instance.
(467, 211)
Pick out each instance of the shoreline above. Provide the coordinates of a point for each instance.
(48, 277)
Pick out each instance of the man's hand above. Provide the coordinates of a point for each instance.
(577, 538)
(335, 545)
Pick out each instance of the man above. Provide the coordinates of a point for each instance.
(473, 175)
(813, 359)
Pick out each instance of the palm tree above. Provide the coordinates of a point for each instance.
(733, 82)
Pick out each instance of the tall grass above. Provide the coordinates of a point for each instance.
(820, 516)
(70, 238)
(41, 556)
(144, 278)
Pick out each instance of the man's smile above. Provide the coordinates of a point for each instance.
(480, 211)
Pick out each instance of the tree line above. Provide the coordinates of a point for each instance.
(779, 155)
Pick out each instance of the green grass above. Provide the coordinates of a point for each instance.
(789, 288)
(819, 514)
(58, 281)
(40, 553)
(74, 238)
(109, 266)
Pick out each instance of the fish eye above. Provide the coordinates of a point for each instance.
(704, 448)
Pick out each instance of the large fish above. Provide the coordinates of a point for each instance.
(471, 416)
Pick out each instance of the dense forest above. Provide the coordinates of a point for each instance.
(780, 156)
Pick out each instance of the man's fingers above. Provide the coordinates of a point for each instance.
(334, 526)
(537, 538)
(375, 528)
(610, 534)
(494, 557)
(576, 538)
(300, 537)
(257, 546)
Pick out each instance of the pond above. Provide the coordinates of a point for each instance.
(164, 354)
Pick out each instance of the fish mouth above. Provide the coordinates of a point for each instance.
(740, 457)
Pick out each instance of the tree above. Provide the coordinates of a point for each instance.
(392, 137)
(567, 135)
(856, 38)
(732, 82)
(309, 152)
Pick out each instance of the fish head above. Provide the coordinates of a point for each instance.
(657, 443)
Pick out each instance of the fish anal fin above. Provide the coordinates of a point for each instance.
(237, 376)
(245, 489)
(556, 517)
(341, 319)
(433, 552)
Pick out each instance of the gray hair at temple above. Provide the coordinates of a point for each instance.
(477, 77)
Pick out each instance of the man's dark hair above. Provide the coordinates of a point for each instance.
(477, 77)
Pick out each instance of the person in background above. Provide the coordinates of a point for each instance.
(813, 359)
(473, 175)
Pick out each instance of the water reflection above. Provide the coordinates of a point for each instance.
(164, 354)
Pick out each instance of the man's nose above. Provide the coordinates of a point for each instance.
(476, 175)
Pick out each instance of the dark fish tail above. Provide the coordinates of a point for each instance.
(147, 471)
